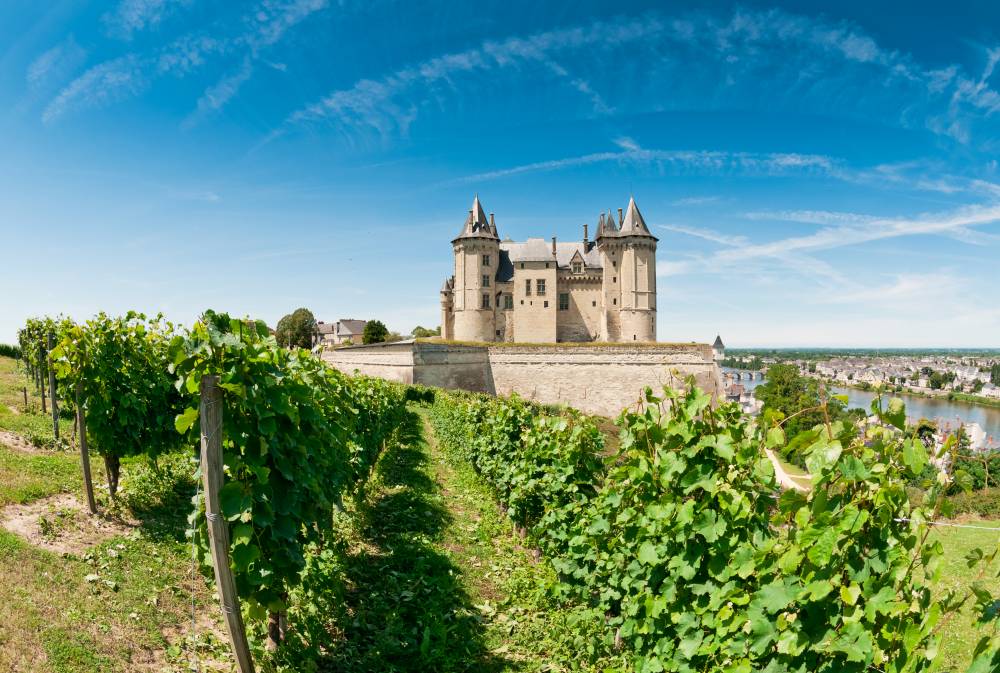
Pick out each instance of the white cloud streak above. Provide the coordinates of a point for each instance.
(262, 26)
(55, 63)
(133, 16)
(809, 60)
(706, 161)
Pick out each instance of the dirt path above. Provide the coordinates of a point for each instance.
(786, 480)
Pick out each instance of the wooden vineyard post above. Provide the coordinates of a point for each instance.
(53, 399)
(41, 376)
(81, 422)
(210, 416)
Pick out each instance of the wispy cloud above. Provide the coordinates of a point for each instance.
(838, 230)
(810, 63)
(379, 104)
(132, 16)
(682, 161)
(220, 93)
(695, 201)
(262, 26)
(56, 63)
(706, 234)
(103, 84)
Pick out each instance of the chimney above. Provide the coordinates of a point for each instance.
(553, 246)
(621, 220)
(492, 223)
(585, 238)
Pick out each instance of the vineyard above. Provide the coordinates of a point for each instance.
(348, 523)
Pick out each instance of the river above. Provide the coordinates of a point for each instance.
(939, 409)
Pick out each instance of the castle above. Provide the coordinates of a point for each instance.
(599, 290)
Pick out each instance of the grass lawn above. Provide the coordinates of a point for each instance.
(959, 637)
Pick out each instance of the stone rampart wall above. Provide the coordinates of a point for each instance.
(595, 379)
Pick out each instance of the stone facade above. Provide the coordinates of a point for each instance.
(598, 379)
(531, 291)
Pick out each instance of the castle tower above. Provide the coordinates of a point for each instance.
(610, 251)
(629, 254)
(477, 254)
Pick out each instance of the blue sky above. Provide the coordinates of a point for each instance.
(814, 178)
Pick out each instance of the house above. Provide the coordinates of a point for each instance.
(340, 332)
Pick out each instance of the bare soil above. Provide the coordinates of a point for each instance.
(18, 443)
(61, 524)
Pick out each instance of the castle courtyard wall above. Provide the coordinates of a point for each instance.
(597, 379)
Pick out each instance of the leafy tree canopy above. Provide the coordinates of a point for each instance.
(375, 332)
(424, 332)
(298, 328)
(787, 394)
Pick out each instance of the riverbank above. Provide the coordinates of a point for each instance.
(945, 395)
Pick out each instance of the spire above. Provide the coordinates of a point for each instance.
(609, 222)
(633, 224)
(476, 225)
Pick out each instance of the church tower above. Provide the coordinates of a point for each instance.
(477, 255)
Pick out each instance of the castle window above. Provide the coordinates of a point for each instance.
(486, 301)
(546, 304)
(614, 279)
(577, 267)
(614, 301)
(522, 265)
(614, 264)
(546, 265)
(486, 260)
(486, 280)
(593, 303)
(563, 301)
(527, 287)
(540, 285)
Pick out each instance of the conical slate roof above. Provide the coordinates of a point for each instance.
(476, 225)
(633, 224)
(718, 342)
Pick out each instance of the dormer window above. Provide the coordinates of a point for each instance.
(577, 267)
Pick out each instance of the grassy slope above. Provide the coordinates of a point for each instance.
(106, 609)
(960, 636)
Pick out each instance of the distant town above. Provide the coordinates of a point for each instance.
(964, 375)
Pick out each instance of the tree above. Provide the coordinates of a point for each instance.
(786, 393)
(375, 332)
(297, 329)
(424, 332)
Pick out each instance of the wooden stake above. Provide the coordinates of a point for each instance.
(88, 484)
(52, 389)
(210, 414)
(41, 377)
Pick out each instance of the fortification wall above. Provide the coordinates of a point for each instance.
(393, 362)
(597, 379)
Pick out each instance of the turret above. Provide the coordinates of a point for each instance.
(477, 255)
(638, 276)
